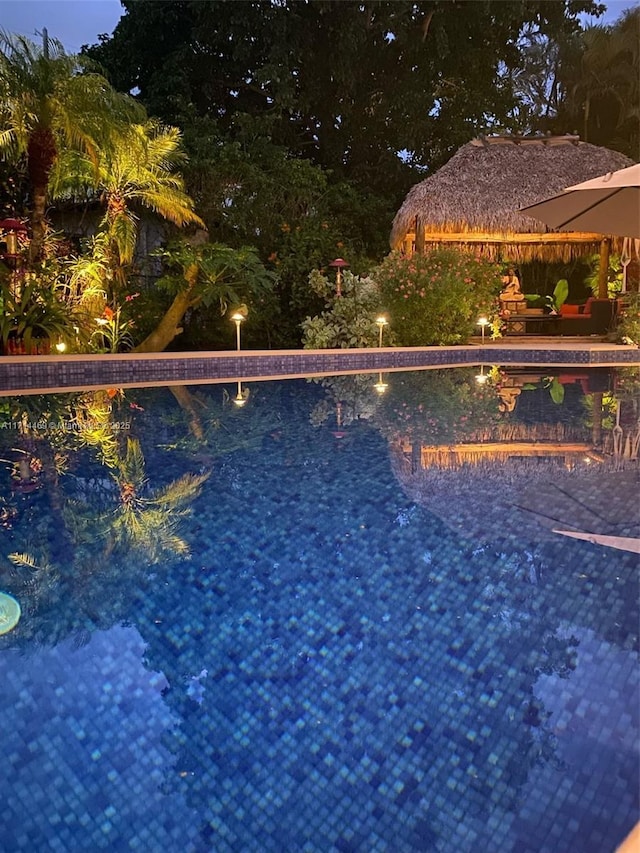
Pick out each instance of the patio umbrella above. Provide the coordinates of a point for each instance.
(622, 543)
(608, 205)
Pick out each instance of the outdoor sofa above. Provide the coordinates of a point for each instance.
(594, 317)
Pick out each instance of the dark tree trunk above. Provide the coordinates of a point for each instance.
(41, 155)
(170, 325)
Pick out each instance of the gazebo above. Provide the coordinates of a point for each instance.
(474, 199)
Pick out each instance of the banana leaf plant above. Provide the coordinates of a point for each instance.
(559, 296)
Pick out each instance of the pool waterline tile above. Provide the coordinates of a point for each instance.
(30, 374)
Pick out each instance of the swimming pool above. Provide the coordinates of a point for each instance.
(376, 641)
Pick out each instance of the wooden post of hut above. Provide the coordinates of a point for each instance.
(419, 237)
(603, 269)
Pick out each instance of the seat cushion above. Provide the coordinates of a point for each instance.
(567, 309)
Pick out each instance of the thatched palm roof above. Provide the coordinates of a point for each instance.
(524, 497)
(476, 196)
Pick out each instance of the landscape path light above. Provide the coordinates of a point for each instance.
(483, 322)
(380, 386)
(339, 264)
(481, 377)
(238, 318)
(381, 322)
(242, 395)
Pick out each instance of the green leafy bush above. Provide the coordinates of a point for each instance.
(33, 310)
(628, 326)
(349, 320)
(436, 298)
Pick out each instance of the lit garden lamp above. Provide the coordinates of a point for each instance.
(481, 377)
(61, 347)
(381, 322)
(9, 231)
(241, 396)
(339, 264)
(238, 318)
(339, 432)
(380, 386)
(483, 322)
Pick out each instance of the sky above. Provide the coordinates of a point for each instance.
(73, 22)
(78, 22)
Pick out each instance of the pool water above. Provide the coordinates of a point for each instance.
(376, 641)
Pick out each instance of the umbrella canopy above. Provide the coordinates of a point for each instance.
(609, 205)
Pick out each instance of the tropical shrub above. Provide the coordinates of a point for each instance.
(113, 333)
(615, 275)
(349, 319)
(436, 298)
(437, 407)
(556, 300)
(628, 327)
(32, 309)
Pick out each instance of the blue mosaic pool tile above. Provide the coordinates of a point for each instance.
(356, 697)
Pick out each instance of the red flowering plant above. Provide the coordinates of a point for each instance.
(114, 329)
(436, 298)
(437, 407)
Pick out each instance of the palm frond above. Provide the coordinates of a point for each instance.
(28, 561)
(180, 491)
(132, 467)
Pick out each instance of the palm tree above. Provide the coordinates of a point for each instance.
(600, 77)
(148, 520)
(139, 169)
(50, 102)
(129, 516)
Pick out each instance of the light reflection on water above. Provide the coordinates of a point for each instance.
(349, 624)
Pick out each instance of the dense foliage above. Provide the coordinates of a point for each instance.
(437, 298)
(349, 319)
(598, 78)
(628, 330)
(307, 122)
(76, 140)
(348, 85)
(294, 127)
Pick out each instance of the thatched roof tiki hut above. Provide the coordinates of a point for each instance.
(474, 199)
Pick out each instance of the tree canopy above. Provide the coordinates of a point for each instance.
(307, 121)
(304, 122)
(350, 85)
